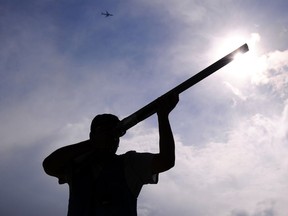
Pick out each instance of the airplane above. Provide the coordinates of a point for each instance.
(106, 14)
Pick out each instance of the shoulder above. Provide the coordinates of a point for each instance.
(139, 164)
(134, 154)
(137, 158)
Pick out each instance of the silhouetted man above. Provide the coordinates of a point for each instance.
(102, 182)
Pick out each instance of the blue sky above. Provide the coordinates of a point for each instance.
(62, 63)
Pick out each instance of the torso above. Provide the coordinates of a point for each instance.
(101, 189)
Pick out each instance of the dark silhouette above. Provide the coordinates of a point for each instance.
(106, 14)
(102, 182)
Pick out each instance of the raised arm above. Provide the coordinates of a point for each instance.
(165, 159)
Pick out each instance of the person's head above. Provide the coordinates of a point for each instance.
(102, 132)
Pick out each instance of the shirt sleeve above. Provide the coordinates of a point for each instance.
(138, 171)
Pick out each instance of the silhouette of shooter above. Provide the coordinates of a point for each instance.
(102, 182)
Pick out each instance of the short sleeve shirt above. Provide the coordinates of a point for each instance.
(138, 171)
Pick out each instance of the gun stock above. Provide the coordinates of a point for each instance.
(150, 108)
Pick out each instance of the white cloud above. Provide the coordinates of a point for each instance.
(236, 91)
(53, 98)
(247, 174)
(271, 69)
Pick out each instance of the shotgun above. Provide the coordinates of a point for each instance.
(150, 108)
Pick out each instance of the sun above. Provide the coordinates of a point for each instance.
(246, 67)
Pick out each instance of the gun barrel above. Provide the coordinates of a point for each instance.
(150, 108)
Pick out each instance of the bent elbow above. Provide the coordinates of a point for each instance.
(170, 165)
(162, 164)
(49, 168)
(46, 166)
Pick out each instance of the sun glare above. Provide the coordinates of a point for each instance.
(245, 66)
(238, 56)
